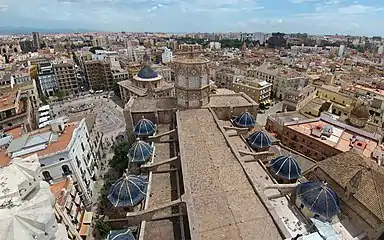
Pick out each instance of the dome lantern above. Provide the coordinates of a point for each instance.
(316, 199)
(244, 120)
(286, 168)
(128, 191)
(259, 141)
(144, 127)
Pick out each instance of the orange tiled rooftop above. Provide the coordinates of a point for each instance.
(57, 188)
(7, 100)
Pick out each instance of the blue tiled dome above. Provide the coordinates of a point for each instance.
(259, 139)
(286, 167)
(140, 152)
(147, 73)
(244, 120)
(319, 198)
(128, 191)
(122, 234)
(144, 127)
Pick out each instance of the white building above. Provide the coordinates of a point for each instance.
(380, 49)
(166, 56)
(27, 204)
(63, 150)
(214, 45)
(341, 50)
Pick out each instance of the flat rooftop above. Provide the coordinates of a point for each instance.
(7, 100)
(340, 138)
(227, 100)
(221, 203)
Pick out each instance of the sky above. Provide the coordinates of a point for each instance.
(310, 16)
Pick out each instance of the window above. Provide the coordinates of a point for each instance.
(66, 170)
(82, 147)
(42, 165)
(77, 161)
(47, 176)
(61, 159)
(301, 206)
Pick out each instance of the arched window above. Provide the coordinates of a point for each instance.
(47, 176)
(66, 170)
(42, 165)
(61, 159)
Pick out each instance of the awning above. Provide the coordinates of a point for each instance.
(87, 219)
(84, 230)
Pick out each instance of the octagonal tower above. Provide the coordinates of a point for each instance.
(192, 81)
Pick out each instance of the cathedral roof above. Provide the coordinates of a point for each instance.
(344, 167)
(147, 73)
(286, 167)
(259, 139)
(129, 190)
(140, 152)
(244, 120)
(144, 127)
(360, 112)
(319, 199)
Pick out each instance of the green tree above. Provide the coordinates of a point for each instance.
(119, 162)
(102, 227)
(60, 94)
(262, 106)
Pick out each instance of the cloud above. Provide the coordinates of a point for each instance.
(3, 7)
(358, 9)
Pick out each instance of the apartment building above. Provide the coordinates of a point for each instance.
(323, 137)
(47, 82)
(16, 109)
(260, 91)
(63, 150)
(66, 77)
(99, 74)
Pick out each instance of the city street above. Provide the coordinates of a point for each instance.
(262, 117)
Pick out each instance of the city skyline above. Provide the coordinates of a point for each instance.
(311, 16)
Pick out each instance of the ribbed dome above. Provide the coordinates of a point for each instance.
(147, 73)
(140, 152)
(122, 234)
(128, 191)
(360, 112)
(259, 139)
(145, 127)
(286, 167)
(244, 120)
(319, 198)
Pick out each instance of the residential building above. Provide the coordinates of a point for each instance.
(36, 40)
(63, 150)
(46, 81)
(164, 71)
(215, 45)
(16, 109)
(324, 137)
(70, 208)
(100, 41)
(66, 77)
(99, 74)
(190, 47)
(259, 91)
(296, 97)
(119, 75)
(166, 56)
(341, 50)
